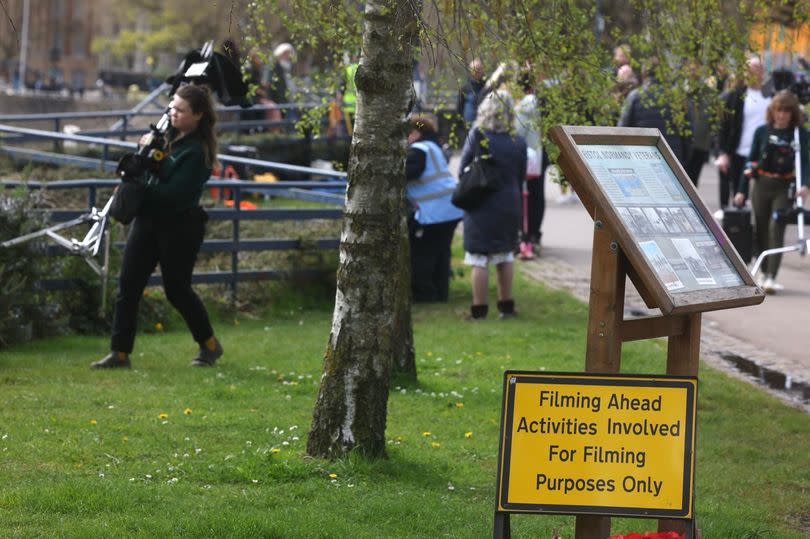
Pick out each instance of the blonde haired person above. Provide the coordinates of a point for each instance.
(491, 229)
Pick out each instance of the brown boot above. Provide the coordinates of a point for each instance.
(113, 360)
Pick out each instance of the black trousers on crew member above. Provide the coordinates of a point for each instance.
(430, 261)
(173, 242)
(731, 179)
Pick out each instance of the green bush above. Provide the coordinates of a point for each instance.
(25, 309)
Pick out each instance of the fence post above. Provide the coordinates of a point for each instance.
(91, 196)
(124, 127)
(237, 199)
(57, 127)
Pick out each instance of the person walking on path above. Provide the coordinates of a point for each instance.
(169, 230)
(433, 219)
(772, 167)
(647, 107)
(470, 95)
(491, 229)
(744, 112)
(527, 125)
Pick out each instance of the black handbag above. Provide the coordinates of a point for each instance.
(478, 179)
(127, 201)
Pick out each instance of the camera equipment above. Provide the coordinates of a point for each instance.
(796, 82)
(203, 67)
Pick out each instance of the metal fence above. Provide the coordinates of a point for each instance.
(327, 192)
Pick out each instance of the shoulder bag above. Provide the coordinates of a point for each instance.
(478, 179)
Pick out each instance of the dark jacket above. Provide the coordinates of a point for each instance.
(730, 131)
(493, 227)
(758, 147)
(182, 174)
(470, 95)
(643, 108)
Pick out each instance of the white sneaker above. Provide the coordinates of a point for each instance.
(769, 286)
(760, 280)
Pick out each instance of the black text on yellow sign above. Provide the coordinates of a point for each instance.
(594, 444)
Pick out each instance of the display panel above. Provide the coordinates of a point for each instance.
(659, 215)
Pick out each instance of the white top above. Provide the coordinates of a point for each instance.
(527, 118)
(753, 116)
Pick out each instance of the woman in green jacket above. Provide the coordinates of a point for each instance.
(169, 230)
(772, 166)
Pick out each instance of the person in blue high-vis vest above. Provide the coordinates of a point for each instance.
(432, 217)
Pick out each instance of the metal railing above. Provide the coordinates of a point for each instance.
(327, 192)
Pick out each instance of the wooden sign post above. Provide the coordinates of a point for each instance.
(649, 225)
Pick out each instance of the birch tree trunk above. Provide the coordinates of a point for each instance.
(373, 276)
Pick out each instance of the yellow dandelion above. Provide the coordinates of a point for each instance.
(275, 450)
(429, 354)
(332, 476)
(187, 411)
(93, 422)
(163, 415)
(159, 327)
(435, 445)
(468, 434)
(426, 433)
(125, 439)
(459, 405)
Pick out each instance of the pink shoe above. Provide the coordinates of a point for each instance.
(526, 251)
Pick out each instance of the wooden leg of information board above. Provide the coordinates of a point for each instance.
(683, 358)
(604, 346)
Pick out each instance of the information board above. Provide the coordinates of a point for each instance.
(657, 212)
(597, 444)
(680, 254)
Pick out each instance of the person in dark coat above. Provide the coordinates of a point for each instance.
(647, 107)
(491, 230)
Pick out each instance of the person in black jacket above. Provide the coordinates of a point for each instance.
(744, 111)
(647, 107)
(169, 230)
(491, 229)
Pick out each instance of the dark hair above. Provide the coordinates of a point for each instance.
(199, 99)
(785, 99)
(423, 123)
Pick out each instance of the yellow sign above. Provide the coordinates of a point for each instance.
(597, 444)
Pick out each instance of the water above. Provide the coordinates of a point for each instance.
(772, 379)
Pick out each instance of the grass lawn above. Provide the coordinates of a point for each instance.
(165, 450)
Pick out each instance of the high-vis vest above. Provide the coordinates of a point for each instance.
(350, 92)
(431, 192)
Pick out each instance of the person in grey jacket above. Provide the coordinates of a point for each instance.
(491, 229)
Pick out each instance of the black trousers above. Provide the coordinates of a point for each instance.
(536, 206)
(731, 179)
(173, 243)
(694, 164)
(430, 261)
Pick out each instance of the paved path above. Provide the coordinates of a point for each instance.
(771, 341)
